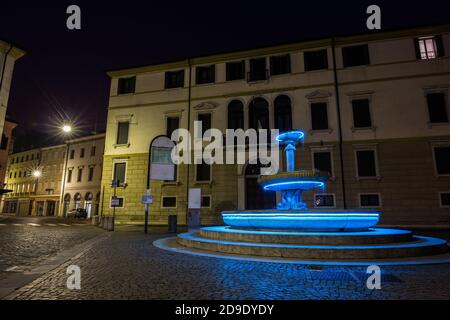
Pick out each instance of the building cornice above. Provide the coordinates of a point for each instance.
(12, 50)
(285, 48)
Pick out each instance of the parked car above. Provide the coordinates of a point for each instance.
(79, 213)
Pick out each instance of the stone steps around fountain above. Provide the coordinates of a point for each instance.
(372, 236)
(420, 246)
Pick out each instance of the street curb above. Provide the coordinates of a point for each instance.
(11, 285)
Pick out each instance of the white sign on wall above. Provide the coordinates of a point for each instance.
(161, 167)
(195, 195)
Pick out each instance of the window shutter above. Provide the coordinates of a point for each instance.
(416, 46)
(439, 46)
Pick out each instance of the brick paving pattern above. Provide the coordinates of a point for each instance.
(128, 266)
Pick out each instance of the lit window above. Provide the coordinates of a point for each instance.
(427, 47)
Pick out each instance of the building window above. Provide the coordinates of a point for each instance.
(172, 124)
(366, 163)
(361, 113)
(444, 198)
(69, 176)
(32, 156)
(20, 174)
(174, 79)
(205, 74)
(119, 175)
(322, 162)
(91, 174)
(429, 48)
(315, 60)
(324, 201)
(280, 64)
(82, 153)
(80, 174)
(235, 115)
(369, 200)
(205, 119)
(258, 114)
(437, 107)
(93, 151)
(319, 116)
(203, 172)
(169, 202)
(205, 201)
(356, 56)
(72, 154)
(258, 70)
(442, 160)
(235, 70)
(283, 113)
(122, 132)
(126, 85)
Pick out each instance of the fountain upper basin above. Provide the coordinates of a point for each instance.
(304, 220)
(296, 180)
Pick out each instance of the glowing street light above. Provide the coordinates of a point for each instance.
(67, 128)
(37, 173)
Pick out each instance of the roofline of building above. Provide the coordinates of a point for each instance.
(54, 147)
(87, 138)
(12, 49)
(75, 140)
(280, 48)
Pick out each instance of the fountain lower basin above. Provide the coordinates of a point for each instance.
(309, 220)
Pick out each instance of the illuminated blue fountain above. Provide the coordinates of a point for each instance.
(292, 212)
(292, 231)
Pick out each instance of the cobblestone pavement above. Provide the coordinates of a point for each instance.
(24, 242)
(128, 266)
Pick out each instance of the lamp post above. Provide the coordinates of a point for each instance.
(66, 129)
(36, 175)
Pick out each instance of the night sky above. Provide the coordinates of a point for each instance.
(64, 73)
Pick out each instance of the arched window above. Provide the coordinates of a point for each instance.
(235, 115)
(67, 197)
(77, 199)
(283, 113)
(88, 196)
(259, 114)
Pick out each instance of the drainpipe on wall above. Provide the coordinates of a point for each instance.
(338, 108)
(189, 129)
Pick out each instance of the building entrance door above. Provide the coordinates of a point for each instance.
(255, 197)
(51, 206)
(88, 207)
(40, 208)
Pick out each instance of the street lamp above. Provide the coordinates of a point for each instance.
(66, 130)
(37, 174)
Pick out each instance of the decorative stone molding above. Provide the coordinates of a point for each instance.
(206, 106)
(318, 94)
